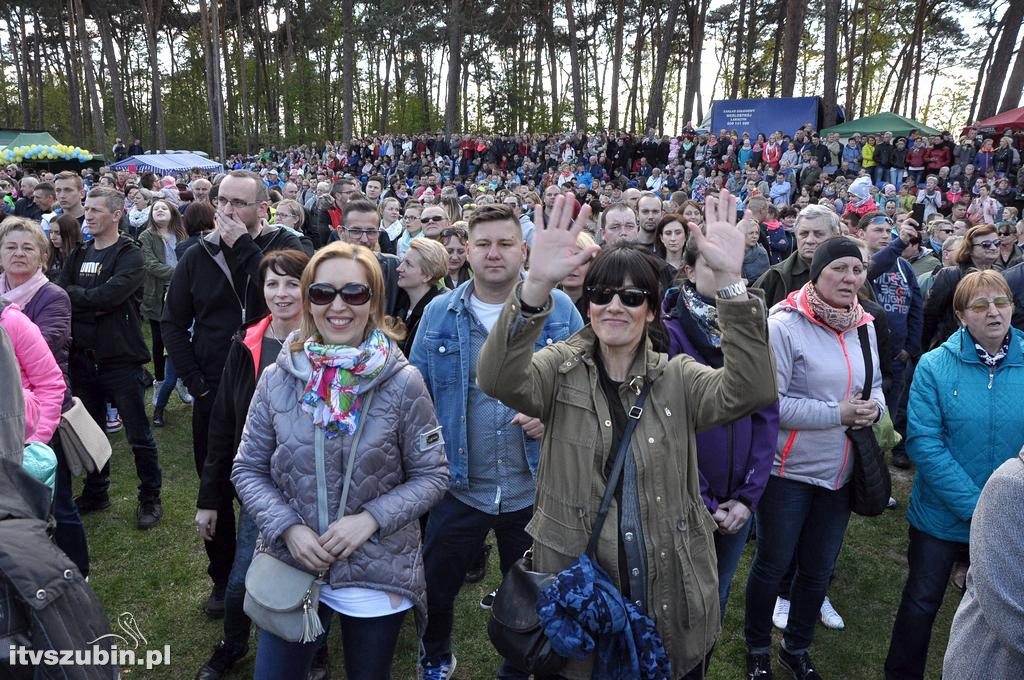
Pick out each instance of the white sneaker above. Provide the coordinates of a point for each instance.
(830, 617)
(182, 391)
(780, 617)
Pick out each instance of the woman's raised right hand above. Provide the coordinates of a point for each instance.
(554, 255)
(304, 545)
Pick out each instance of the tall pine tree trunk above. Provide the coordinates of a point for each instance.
(152, 9)
(1014, 84)
(102, 17)
(791, 44)
(1000, 63)
(451, 107)
(734, 90)
(831, 20)
(579, 121)
(98, 130)
(668, 29)
(613, 107)
(348, 66)
(696, 16)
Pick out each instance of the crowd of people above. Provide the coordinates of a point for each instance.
(396, 346)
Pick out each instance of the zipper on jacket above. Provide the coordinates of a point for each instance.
(991, 375)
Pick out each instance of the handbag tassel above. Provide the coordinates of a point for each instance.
(311, 626)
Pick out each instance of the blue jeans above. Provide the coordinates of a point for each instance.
(236, 623)
(931, 563)
(455, 534)
(167, 386)
(69, 533)
(368, 644)
(124, 385)
(729, 549)
(810, 522)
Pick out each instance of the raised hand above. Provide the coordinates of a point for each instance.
(554, 255)
(723, 244)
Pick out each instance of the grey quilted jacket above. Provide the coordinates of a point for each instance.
(399, 472)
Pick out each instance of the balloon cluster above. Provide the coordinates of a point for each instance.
(44, 152)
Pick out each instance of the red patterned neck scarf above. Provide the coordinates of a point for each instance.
(836, 318)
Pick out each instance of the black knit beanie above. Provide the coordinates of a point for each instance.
(832, 250)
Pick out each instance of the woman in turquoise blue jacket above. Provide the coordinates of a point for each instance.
(964, 421)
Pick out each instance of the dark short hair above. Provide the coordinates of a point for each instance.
(283, 263)
(198, 218)
(379, 179)
(45, 187)
(359, 205)
(619, 261)
(493, 212)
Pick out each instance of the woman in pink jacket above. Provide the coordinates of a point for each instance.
(41, 379)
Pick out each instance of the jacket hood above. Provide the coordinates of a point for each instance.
(297, 363)
(21, 495)
(796, 303)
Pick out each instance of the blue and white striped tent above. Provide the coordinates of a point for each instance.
(168, 163)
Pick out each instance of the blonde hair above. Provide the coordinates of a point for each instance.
(365, 258)
(385, 203)
(434, 257)
(33, 229)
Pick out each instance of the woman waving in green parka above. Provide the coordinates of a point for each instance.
(657, 544)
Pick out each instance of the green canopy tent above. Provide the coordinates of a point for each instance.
(880, 123)
(13, 138)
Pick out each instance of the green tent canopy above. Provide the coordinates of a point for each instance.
(14, 138)
(879, 123)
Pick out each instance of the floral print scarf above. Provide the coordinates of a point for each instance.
(339, 374)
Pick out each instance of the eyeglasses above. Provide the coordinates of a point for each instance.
(235, 203)
(354, 294)
(881, 219)
(368, 234)
(435, 218)
(988, 244)
(630, 297)
(455, 231)
(1001, 302)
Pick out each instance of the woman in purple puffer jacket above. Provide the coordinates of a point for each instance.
(734, 460)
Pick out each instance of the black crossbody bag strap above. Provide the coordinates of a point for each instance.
(869, 367)
(616, 473)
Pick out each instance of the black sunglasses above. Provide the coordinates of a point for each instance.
(630, 297)
(435, 218)
(454, 231)
(354, 294)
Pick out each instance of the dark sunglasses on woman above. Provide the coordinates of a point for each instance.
(354, 294)
(630, 297)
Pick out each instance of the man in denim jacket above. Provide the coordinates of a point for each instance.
(492, 450)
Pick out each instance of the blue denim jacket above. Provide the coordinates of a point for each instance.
(441, 353)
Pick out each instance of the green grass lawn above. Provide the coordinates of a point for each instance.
(160, 577)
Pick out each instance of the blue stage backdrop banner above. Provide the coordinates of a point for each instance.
(765, 115)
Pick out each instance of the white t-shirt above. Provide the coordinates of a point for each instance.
(486, 312)
(362, 603)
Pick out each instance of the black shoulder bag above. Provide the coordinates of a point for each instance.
(870, 485)
(514, 627)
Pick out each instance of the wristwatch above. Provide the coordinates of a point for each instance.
(731, 291)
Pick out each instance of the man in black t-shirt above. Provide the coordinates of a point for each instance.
(108, 352)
